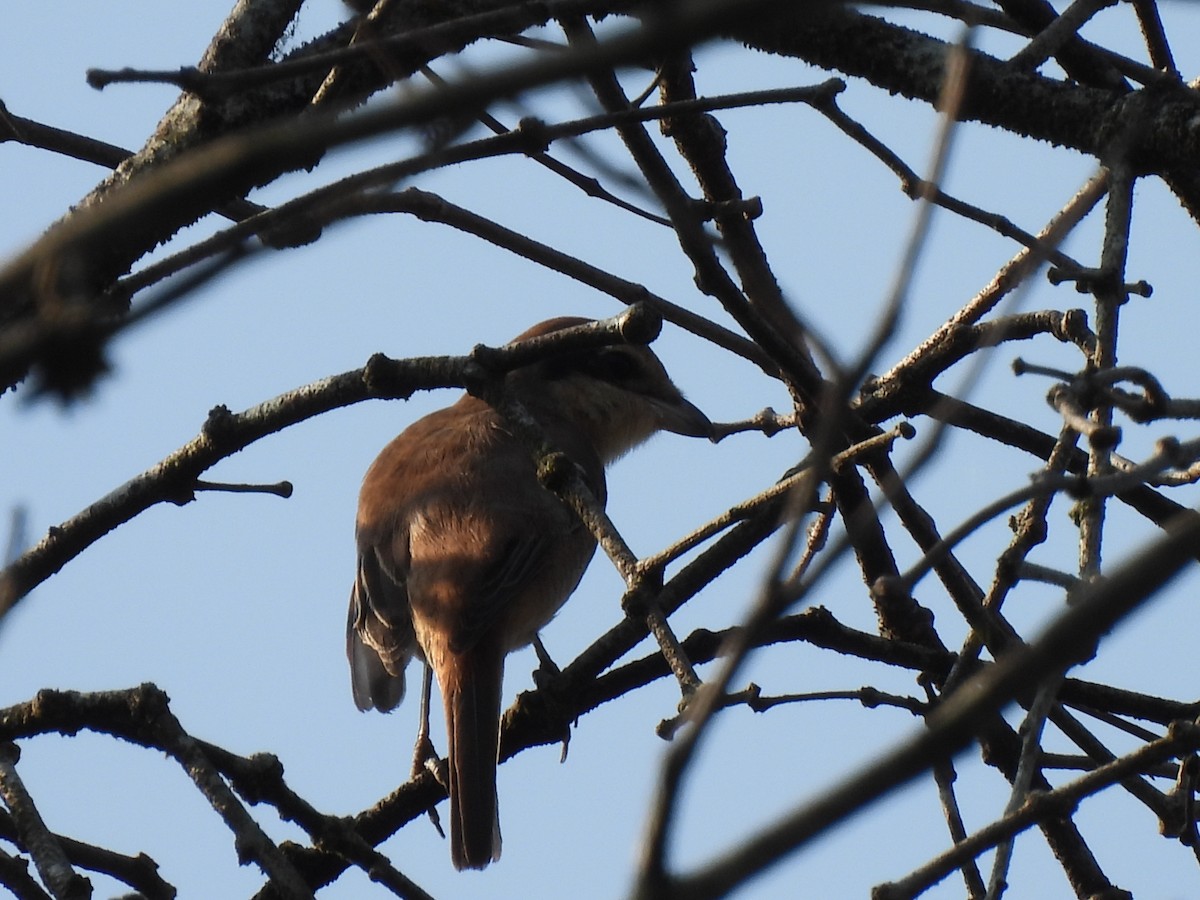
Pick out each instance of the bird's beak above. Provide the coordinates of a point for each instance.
(684, 418)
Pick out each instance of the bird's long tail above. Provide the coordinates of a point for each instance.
(471, 690)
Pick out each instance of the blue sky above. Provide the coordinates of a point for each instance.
(235, 604)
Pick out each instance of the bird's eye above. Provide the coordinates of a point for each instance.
(613, 365)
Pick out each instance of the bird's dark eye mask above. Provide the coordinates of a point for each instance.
(613, 364)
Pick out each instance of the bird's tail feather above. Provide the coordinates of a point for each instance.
(471, 691)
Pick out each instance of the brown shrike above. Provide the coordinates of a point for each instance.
(463, 556)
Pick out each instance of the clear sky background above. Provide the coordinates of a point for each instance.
(235, 604)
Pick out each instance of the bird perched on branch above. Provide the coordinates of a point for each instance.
(463, 556)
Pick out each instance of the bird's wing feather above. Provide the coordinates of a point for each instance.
(379, 635)
(494, 548)
(513, 566)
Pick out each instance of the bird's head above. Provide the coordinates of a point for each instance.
(617, 396)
